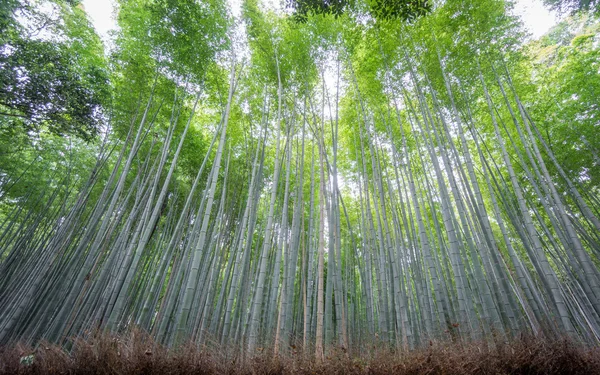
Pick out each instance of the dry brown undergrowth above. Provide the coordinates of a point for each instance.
(137, 354)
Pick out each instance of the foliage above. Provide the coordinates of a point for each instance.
(181, 36)
(41, 88)
(565, 104)
(60, 86)
(399, 10)
(572, 6)
(404, 10)
(54, 100)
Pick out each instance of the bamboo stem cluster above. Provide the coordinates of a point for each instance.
(441, 229)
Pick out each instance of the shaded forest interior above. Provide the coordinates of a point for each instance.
(401, 186)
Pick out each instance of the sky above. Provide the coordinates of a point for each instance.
(536, 17)
(101, 14)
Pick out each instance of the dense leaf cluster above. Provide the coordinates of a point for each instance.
(404, 10)
(573, 6)
(53, 83)
(304, 8)
(40, 87)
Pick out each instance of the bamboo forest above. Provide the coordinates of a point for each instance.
(299, 175)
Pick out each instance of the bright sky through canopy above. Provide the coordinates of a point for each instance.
(101, 14)
(537, 19)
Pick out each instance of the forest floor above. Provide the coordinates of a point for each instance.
(137, 354)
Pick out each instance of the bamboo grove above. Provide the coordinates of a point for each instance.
(342, 182)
